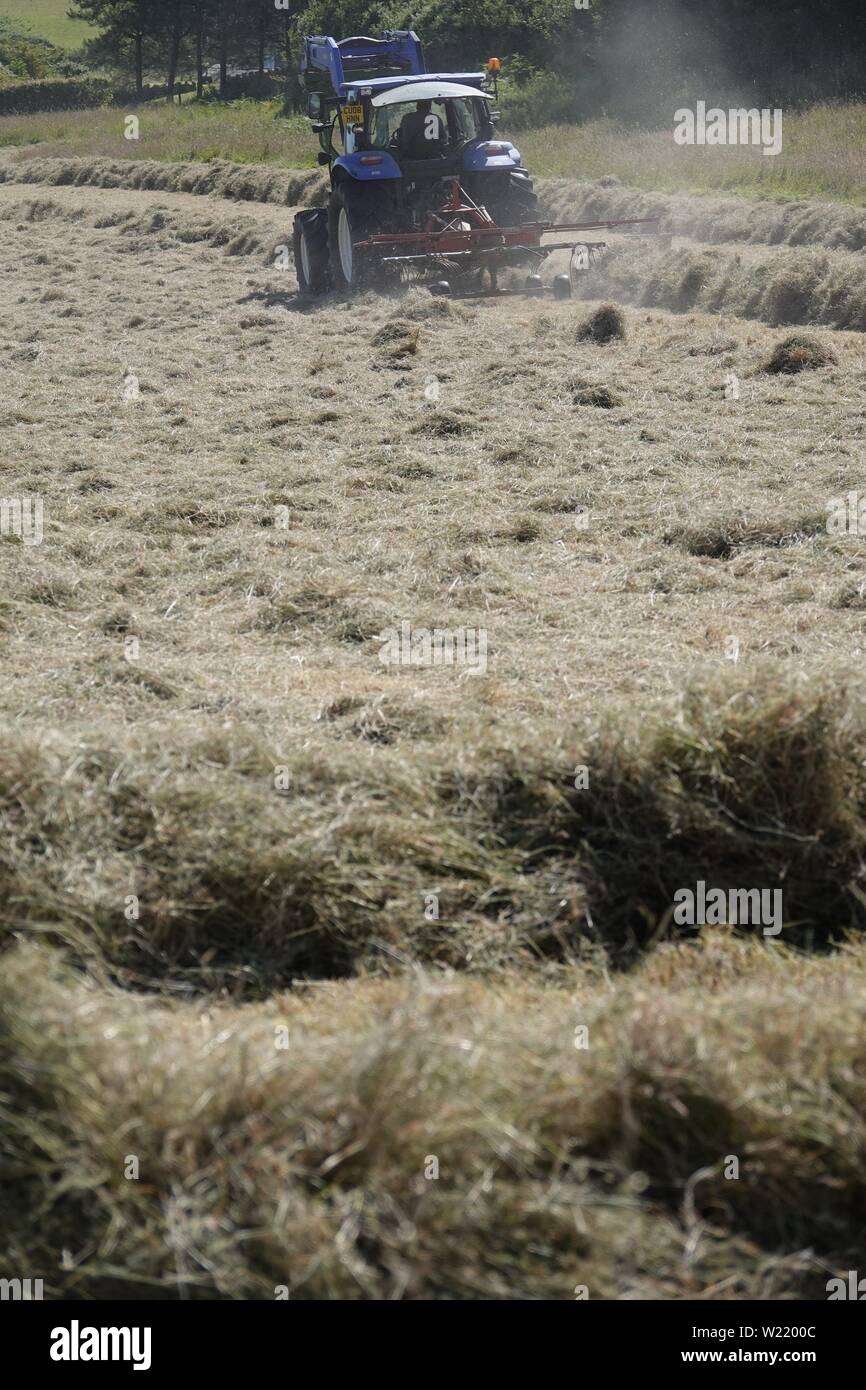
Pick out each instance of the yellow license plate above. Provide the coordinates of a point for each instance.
(353, 115)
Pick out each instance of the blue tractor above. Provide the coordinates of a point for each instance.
(420, 185)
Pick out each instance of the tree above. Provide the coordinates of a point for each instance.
(202, 10)
(290, 16)
(261, 19)
(125, 25)
(176, 19)
(226, 17)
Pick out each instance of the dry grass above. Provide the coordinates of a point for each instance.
(668, 268)
(711, 218)
(798, 353)
(293, 1143)
(664, 608)
(781, 286)
(256, 183)
(708, 219)
(603, 326)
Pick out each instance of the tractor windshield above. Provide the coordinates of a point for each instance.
(422, 129)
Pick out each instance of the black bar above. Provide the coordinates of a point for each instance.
(230, 1338)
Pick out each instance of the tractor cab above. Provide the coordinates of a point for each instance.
(427, 120)
(366, 95)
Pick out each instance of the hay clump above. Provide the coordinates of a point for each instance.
(799, 352)
(606, 325)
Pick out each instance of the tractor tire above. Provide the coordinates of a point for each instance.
(516, 203)
(310, 243)
(351, 218)
(523, 198)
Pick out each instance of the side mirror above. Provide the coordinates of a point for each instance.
(323, 158)
(314, 106)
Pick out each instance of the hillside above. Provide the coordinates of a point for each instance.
(46, 19)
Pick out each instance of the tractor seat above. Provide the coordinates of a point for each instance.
(413, 139)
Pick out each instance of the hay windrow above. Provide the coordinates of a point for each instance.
(220, 178)
(824, 282)
(826, 288)
(710, 218)
(698, 1056)
(265, 892)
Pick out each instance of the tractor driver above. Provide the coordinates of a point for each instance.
(420, 135)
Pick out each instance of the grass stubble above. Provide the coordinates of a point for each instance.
(222, 553)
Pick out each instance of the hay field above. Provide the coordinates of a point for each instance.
(284, 924)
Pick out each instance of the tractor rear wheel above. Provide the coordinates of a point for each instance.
(508, 196)
(310, 244)
(351, 219)
(517, 203)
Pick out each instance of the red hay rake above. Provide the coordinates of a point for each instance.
(461, 238)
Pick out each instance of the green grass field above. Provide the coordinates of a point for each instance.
(244, 132)
(46, 19)
(822, 157)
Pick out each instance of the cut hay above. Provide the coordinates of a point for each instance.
(797, 353)
(605, 325)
